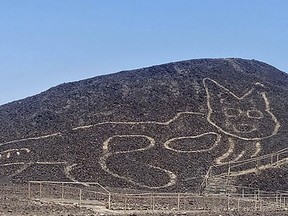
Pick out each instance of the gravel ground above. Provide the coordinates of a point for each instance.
(14, 202)
(14, 206)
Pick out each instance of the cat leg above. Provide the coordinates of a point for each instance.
(231, 155)
(126, 163)
(257, 150)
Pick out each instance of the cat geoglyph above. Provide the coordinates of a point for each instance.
(234, 124)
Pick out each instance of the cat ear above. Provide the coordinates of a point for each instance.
(217, 93)
(258, 97)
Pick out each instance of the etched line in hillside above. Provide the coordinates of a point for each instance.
(227, 153)
(30, 138)
(140, 122)
(67, 171)
(238, 156)
(168, 143)
(20, 170)
(263, 97)
(171, 175)
(106, 143)
(16, 153)
(8, 153)
(263, 157)
(270, 161)
(248, 128)
(268, 110)
(50, 162)
(211, 93)
(258, 150)
(230, 151)
(11, 164)
(107, 154)
(281, 162)
(239, 123)
(15, 150)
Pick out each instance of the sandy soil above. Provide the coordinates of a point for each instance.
(14, 206)
(14, 202)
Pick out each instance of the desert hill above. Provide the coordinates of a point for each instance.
(155, 128)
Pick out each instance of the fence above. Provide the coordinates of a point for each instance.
(83, 194)
(70, 192)
(194, 202)
(250, 165)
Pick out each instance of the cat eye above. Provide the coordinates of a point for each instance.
(232, 112)
(255, 114)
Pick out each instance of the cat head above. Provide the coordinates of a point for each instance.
(247, 117)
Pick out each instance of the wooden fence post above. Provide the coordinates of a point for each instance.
(280, 199)
(109, 201)
(80, 197)
(238, 204)
(153, 203)
(277, 199)
(29, 190)
(228, 178)
(255, 204)
(228, 202)
(40, 190)
(62, 191)
(184, 202)
(178, 202)
(255, 197)
(125, 203)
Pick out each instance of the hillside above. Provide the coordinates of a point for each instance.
(156, 128)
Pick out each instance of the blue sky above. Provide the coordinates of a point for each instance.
(47, 42)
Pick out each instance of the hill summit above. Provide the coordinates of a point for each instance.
(157, 128)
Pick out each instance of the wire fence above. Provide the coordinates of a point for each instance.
(275, 159)
(69, 192)
(82, 194)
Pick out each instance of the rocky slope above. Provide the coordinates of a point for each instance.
(156, 128)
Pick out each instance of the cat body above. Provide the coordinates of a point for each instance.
(238, 126)
(153, 154)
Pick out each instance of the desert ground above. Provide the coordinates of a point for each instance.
(14, 201)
